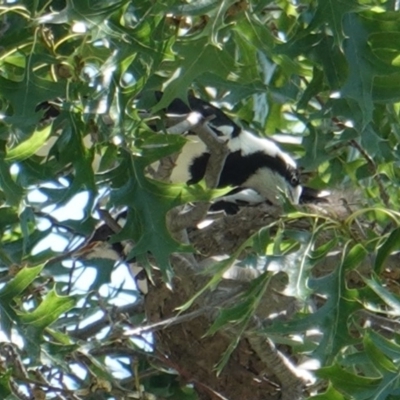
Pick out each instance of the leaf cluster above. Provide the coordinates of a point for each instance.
(74, 78)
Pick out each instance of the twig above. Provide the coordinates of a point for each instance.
(165, 168)
(292, 385)
(109, 220)
(95, 327)
(189, 378)
(218, 153)
(166, 323)
(191, 120)
(380, 323)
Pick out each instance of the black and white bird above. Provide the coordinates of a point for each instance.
(256, 167)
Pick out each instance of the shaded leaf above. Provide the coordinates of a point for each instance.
(149, 202)
(25, 95)
(12, 191)
(387, 297)
(192, 64)
(332, 12)
(391, 243)
(379, 359)
(359, 83)
(5, 389)
(351, 384)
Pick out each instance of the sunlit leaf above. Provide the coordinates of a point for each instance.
(49, 310)
(324, 75)
(30, 146)
(20, 282)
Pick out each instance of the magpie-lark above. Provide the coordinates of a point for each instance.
(256, 167)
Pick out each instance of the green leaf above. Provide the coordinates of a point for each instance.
(329, 394)
(316, 149)
(58, 353)
(27, 221)
(198, 7)
(362, 387)
(359, 83)
(11, 189)
(389, 299)
(30, 146)
(235, 91)
(255, 36)
(104, 267)
(149, 202)
(19, 283)
(245, 307)
(5, 383)
(332, 318)
(240, 314)
(313, 88)
(27, 94)
(391, 244)
(307, 69)
(332, 12)
(88, 11)
(389, 347)
(192, 63)
(49, 310)
(8, 216)
(354, 257)
(10, 292)
(381, 362)
(352, 384)
(385, 45)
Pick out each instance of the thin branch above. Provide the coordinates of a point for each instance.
(95, 327)
(191, 120)
(379, 322)
(109, 220)
(168, 322)
(292, 385)
(218, 153)
(165, 168)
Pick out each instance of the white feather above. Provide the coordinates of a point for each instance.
(272, 186)
(193, 148)
(248, 143)
(248, 196)
(226, 130)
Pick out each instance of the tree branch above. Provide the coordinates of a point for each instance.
(218, 153)
(115, 313)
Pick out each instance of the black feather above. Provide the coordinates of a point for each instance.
(207, 110)
(239, 167)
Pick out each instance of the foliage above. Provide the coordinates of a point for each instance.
(325, 72)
